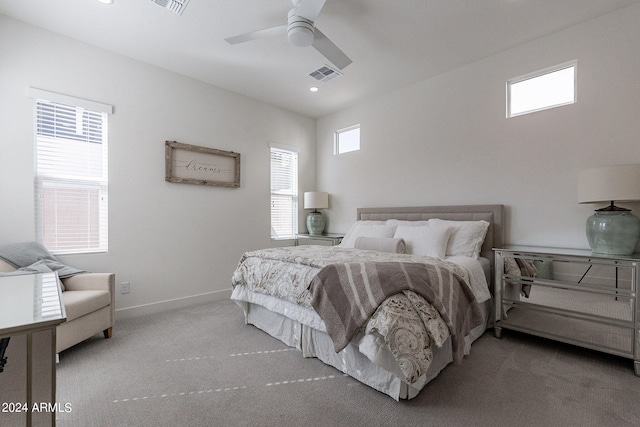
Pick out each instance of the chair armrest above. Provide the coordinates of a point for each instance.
(91, 282)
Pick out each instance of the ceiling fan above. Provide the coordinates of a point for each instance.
(301, 32)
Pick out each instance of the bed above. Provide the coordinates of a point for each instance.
(409, 338)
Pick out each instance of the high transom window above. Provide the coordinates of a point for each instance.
(548, 88)
(347, 140)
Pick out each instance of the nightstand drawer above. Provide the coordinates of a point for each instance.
(324, 239)
(604, 334)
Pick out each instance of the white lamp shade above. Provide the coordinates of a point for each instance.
(612, 183)
(316, 200)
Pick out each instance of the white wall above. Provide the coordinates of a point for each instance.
(442, 141)
(446, 140)
(171, 241)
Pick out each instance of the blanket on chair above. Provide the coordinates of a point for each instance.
(32, 257)
(345, 295)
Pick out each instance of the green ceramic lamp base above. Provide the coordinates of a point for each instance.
(315, 223)
(613, 231)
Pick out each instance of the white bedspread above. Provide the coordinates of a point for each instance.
(406, 323)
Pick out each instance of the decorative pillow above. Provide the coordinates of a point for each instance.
(27, 254)
(367, 229)
(426, 240)
(466, 237)
(381, 244)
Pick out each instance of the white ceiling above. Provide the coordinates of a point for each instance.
(392, 43)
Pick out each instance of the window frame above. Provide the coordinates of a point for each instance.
(58, 172)
(540, 73)
(336, 139)
(293, 195)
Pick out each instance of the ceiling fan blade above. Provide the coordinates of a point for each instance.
(260, 34)
(329, 50)
(309, 9)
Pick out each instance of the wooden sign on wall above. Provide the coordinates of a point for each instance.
(191, 164)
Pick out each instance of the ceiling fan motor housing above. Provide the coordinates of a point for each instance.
(299, 30)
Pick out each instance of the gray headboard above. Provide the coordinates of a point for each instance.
(492, 213)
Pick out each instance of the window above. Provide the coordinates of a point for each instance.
(544, 89)
(71, 182)
(284, 193)
(347, 140)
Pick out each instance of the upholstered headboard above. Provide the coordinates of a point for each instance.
(492, 213)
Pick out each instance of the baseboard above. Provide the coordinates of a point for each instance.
(160, 306)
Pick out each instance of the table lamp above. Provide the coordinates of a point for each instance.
(315, 221)
(611, 230)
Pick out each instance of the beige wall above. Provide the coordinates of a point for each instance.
(173, 242)
(446, 140)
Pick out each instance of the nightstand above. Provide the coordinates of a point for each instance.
(327, 239)
(578, 297)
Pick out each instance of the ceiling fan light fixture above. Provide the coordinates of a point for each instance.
(299, 30)
(300, 37)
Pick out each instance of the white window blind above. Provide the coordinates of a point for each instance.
(71, 183)
(284, 193)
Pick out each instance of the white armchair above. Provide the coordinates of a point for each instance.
(89, 305)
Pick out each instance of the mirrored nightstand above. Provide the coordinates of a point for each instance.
(579, 297)
(327, 239)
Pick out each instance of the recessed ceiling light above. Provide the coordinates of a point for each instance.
(106, 1)
(313, 89)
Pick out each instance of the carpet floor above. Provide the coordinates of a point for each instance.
(202, 366)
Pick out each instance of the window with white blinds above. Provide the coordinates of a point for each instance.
(71, 182)
(284, 193)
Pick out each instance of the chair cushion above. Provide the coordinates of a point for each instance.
(79, 303)
(5, 267)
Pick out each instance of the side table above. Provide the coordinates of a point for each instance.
(579, 297)
(30, 309)
(328, 239)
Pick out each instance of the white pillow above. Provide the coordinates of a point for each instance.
(466, 236)
(426, 240)
(397, 222)
(366, 229)
(381, 244)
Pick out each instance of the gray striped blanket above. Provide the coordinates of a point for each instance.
(345, 295)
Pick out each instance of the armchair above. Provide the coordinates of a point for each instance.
(89, 302)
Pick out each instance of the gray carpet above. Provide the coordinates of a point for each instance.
(202, 366)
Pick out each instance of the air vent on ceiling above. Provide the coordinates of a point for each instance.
(175, 6)
(325, 73)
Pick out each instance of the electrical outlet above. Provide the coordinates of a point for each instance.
(124, 287)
